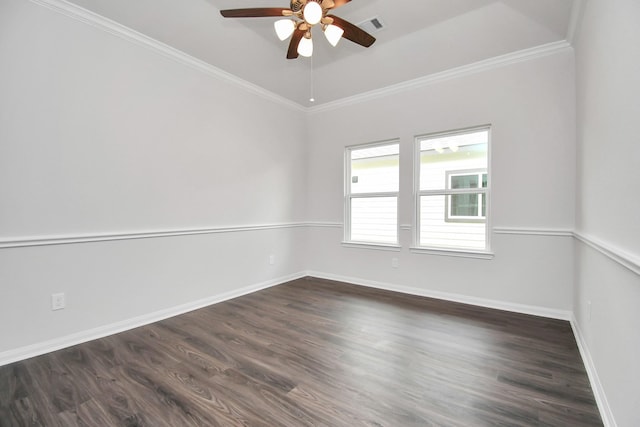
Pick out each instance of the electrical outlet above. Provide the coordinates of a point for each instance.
(394, 262)
(57, 301)
(272, 259)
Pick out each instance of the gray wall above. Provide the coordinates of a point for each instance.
(607, 292)
(530, 106)
(107, 140)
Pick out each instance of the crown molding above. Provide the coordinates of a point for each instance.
(453, 73)
(85, 16)
(93, 19)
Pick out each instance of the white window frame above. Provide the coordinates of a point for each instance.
(348, 197)
(447, 191)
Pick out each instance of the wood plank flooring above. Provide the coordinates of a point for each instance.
(313, 353)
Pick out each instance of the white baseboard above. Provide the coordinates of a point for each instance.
(38, 349)
(481, 302)
(594, 380)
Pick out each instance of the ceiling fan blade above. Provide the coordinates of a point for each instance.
(338, 3)
(297, 35)
(256, 12)
(352, 32)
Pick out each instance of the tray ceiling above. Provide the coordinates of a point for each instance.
(420, 37)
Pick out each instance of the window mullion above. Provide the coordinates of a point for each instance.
(380, 194)
(452, 191)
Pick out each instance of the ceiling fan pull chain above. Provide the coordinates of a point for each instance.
(311, 98)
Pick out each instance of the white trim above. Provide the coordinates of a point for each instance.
(349, 196)
(460, 253)
(465, 70)
(19, 242)
(372, 246)
(618, 255)
(97, 21)
(577, 12)
(38, 349)
(598, 390)
(85, 16)
(484, 253)
(446, 296)
(324, 224)
(533, 231)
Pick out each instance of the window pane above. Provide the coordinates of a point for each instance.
(435, 231)
(448, 153)
(464, 181)
(374, 219)
(375, 169)
(464, 205)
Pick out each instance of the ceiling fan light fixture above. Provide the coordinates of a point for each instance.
(284, 28)
(333, 33)
(312, 12)
(305, 47)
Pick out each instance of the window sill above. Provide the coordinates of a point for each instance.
(462, 253)
(373, 246)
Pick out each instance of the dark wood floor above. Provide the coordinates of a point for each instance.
(313, 353)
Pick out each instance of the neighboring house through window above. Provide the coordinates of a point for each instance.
(452, 190)
(466, 207)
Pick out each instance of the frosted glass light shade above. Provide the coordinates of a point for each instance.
(305, 47)
(312, 13)
(333, 34)
(284, 28)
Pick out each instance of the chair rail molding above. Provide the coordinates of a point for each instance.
(19, 242)
(622, 257)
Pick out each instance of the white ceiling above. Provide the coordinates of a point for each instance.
(420, 37)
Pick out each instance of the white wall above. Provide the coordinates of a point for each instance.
(530, 106)
(102, 136)
(607, 69)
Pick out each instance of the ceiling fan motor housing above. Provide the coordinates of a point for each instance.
(297, 5)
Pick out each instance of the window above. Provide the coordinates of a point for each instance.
(466, 207)
(371, 193)
(452, 183)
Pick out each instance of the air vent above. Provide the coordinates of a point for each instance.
(372, 25)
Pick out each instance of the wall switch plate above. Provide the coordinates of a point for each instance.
(588, 310)
(272, 259)
(57, 301)
(394, 262)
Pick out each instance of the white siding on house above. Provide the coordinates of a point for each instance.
(373, 184)
(435, 229)
(374, 219)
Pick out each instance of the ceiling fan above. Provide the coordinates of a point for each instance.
(300, 18)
